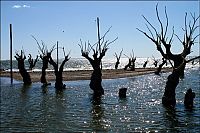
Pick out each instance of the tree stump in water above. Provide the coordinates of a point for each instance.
(189, 98)
(122, 92)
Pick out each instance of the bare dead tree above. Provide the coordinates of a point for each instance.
(157, 72)
(131, 62)
(179, 60)
(118, 58)
(44, 55)
(32, 62)
(99, 50)
(22, 70)
(145, 63)
(155, 61)
(58, 72)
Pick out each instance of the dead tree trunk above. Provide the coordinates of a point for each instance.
(178, 59)
(128, 65)
(169, 97)
(22, 70)
(118, 58)
(44, 55)
(58, 73)
(45, 60)
(131, 63)
(98, 54)
(189, 98)
(155, 61)
(145, 63)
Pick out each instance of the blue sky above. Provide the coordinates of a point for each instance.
(47, 20)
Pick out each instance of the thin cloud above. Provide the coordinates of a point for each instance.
(26, 6)
(16, 6)
(21, 6)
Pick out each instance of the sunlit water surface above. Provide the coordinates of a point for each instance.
(38, 109)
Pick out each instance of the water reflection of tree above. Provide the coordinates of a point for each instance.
(171, 121)
(97, 112)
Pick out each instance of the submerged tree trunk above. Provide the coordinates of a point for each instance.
(25, 75)
(45, 60)
(58, 73)
(169, 97)
(95, 82)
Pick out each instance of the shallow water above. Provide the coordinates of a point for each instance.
(38, 109)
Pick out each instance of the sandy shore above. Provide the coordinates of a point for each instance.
(85, 74)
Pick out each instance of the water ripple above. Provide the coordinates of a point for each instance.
(37, 109)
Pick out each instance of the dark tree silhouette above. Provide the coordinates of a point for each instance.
(179, 60)
(98, 53)
(157, 72)
(145, 63)
(58, 72)
(22, 70)
(189, 98)
(31, 62)
(155, 61)
(44, 55)
(131, 62)
(128, 65)
(118, 58)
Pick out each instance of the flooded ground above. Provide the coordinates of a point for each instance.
(36, 109)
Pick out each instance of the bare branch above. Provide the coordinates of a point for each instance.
(150, 24)
(40, 48)
(159, 21)
(150, 31)
(126, 55)
(171, 36)
(148, 36)
(186, 24)
(192, 59)
(178, 38)
(167, 22)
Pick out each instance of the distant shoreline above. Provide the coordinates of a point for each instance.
(86, 74)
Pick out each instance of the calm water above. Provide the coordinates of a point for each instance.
(38, 109)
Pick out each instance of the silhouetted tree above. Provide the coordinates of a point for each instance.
(58, 72)
(157, 72)
(155, 61)
(31, 62)
(22, 70)
(179, 60)
(131, 62)
(128, 65)
(118, 58)
(145, 63)
(189, 98)
(99, 50)
(44, 55)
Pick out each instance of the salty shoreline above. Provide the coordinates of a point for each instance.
(85, 74)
